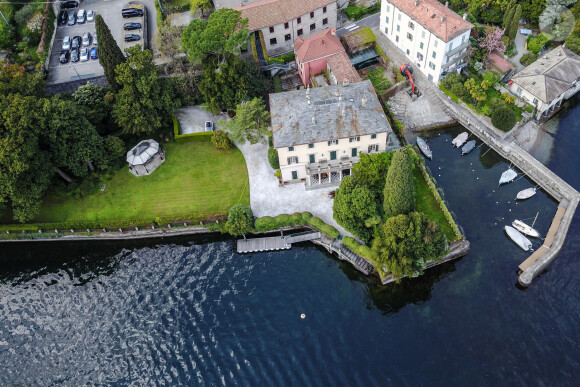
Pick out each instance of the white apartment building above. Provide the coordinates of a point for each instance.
(319, 133)
(434, 38)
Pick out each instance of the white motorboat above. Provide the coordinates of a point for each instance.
(460, 139)
(526, 193)
(508, 176)
(518, 238)
(525, 229)
(468, 147)
(424, 148)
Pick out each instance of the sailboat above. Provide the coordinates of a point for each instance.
(468, 147)
(508, 176)
(518, 238)
(525, 229)
(526, 193)
(424, 148)
(460, 139)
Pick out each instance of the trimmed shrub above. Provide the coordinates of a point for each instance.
(528, 58)
(220, 140)
(503, 118)
(240, 220)
(362, 250)
(277, 84)
(535, 44)
(399, 188)
(284, 58)
(273, 158)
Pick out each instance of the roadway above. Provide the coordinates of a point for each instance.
(371, 21)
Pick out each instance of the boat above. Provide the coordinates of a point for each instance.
(508, 176)
(468, 147)
(525, 229)
(424, 148)
(518, 238)
(526, 193)
(460, 140)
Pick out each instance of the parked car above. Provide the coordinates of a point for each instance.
(95, 38)
(76, 42)
(86, 39)
(208, 126)
(81, 16)
(69, 4)
(94, 53)
(131, 12)
(132, 26)
(84, 54)
(90, 15)
(64, 56)
(62, 17)
(131, 37)
(72, 18)
(74, 55)
(66, 43)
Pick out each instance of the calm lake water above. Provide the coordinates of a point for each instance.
(192, 311)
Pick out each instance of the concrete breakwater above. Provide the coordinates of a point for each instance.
(567, 196)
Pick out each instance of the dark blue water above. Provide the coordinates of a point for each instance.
(185, 311)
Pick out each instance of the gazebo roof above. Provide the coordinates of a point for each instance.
(142, 152)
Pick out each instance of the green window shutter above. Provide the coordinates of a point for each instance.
(294, 175)
(311, 158)
(333, 155)
(354, 152)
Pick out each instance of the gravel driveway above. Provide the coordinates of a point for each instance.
(269, 199)
(192, 119)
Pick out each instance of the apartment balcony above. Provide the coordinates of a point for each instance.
(457, 49)
(453, 61)
(344, 162)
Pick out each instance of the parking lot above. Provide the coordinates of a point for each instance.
(111, 13)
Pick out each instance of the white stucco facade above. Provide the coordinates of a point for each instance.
(425, 51)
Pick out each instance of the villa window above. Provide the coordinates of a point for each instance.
(386, 30)
(421, 45)
(286, 25)
(411, 25)
(432, 65)
(311, 158)
(271, 30)
(290, 149)
(299, 20)
(353, 139)
(323, 9)
(373, 136)
(294, 175)
(333, 142)
(387, 19)
(311, 15)
(324, 21)
(287, 37)
(292, 160)
(312, 26)
(397, 38)
(422, 34)
(434, 55)
(399, 16)
(409, 36)
(299, 32)
(398, 28)
(435, 43)
(273, 42)
(310, 146)
(373, 148)
(353, 152)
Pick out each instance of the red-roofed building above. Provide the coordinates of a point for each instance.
(434, 37)
(324, 51)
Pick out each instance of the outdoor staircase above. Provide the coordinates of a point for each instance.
(260, 52)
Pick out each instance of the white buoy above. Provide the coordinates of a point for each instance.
(302, 316)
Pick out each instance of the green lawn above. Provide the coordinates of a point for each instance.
(195, 181)
(427, 204)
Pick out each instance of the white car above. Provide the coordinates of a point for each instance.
(81, 16)
(86, 39)
(90, 15)
(66, 43)
(84, 54)
(95, 38)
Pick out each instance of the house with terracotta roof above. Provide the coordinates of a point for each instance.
(434, 38)
(548, 81)
(324, 51)
(278, 23)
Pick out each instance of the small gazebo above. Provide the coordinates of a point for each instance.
(145, 157)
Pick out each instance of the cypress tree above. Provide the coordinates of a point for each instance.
(399, 188)
(110, 55)
(515, 23)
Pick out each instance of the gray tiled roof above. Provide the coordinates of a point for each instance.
(291, 114)
(551, 75)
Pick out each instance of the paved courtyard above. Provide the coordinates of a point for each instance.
(192, 119)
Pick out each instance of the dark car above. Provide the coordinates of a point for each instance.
(131, 12)
(64, 56)
(76, 42)
(74, 55)
(131, 38)
(132, 26)
(69, 4)
(62, 17)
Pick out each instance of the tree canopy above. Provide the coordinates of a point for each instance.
(109, 53)
(240, 220)
(371, 171)
(406, 242)
(202, 5)
(224, 32)
(399, 189)
(250, 123)
(144, 100)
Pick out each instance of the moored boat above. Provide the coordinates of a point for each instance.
(460, 139)
(518, 238)
(424, 148)
(525, 229)
(508, 176)
(526, 193)
(468, 147)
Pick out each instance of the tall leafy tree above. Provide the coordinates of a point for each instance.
(224, 32)
(250, 123)
(144, 100)
(110, 55)
(97, 106)
(371, 171)
(406, 243)
(399, 188)
(240, 220)
(515, 23)
(15, 79)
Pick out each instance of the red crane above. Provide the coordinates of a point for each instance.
(407, 72)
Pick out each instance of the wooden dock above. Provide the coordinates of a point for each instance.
(274, 243)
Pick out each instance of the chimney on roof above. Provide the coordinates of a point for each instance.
(343, 112)
(446, 4)
(336, 92)
(313, 120)
(364, 101)
(323, 43)
(345, 82)
(333, 31)
(416, 3)
(465, 16)
(340, 96)
(442, 18)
